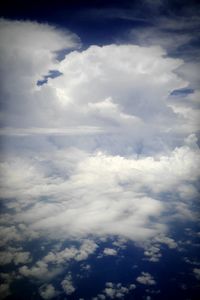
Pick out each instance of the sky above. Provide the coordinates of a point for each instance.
(99, 161)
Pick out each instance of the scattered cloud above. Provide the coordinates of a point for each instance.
(114, 291)
(153, 253)
(146, 279)
(53, 262)
(88, 247)
(4, 290)
(196, 272)
(39, 271)
(47, 291)
(109, 251)
(67, 285)
(6, 280)
(14, 255)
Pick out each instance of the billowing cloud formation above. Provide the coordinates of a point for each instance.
(121, 88)
(28, 51)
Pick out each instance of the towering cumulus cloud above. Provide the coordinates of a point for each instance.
(106, 149)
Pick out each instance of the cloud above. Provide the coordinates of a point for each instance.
(153, 247)
(164, 30)
(39, 272)
(48, 291)
(6, 280)
(16, 256)
(28, 51)
(196, 272)
(132, 194)
(88, 247)
(67, 285)
(4, 290)
(153, 253)
(100, 89)
(115, 291)
(166, 240)
(53, 263)
(104, 150)
(79, 130)
(109, 251)
(146, 279)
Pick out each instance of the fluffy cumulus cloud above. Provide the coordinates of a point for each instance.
(109, 251)
(105, 149)
(53, 262)
(28, 51)
(146, 278)
(196, 272)
(114, 291)
(13, 255)
(67, 285)
(47, 291)
(88, 247)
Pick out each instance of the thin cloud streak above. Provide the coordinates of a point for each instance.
(78, 130)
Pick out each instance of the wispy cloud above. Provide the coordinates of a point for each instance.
(78, 130)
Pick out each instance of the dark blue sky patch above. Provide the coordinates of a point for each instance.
(52, 74)
(60, 55)
(182, 92)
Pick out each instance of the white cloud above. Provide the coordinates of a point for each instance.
(102, 88)
(99, 194)
(114, 291)
(166, 240)
(67, 285)
(54, 262)
(14, 255)
(79, 130)
(196, 272)
(87, 247)
(28, 51)
(153, 247)
(146, 279)
(153, 253)
(47, 291)
(109, 251)
(40, 271)
(9, 234)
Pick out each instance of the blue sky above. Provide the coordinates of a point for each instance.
(99, 130)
